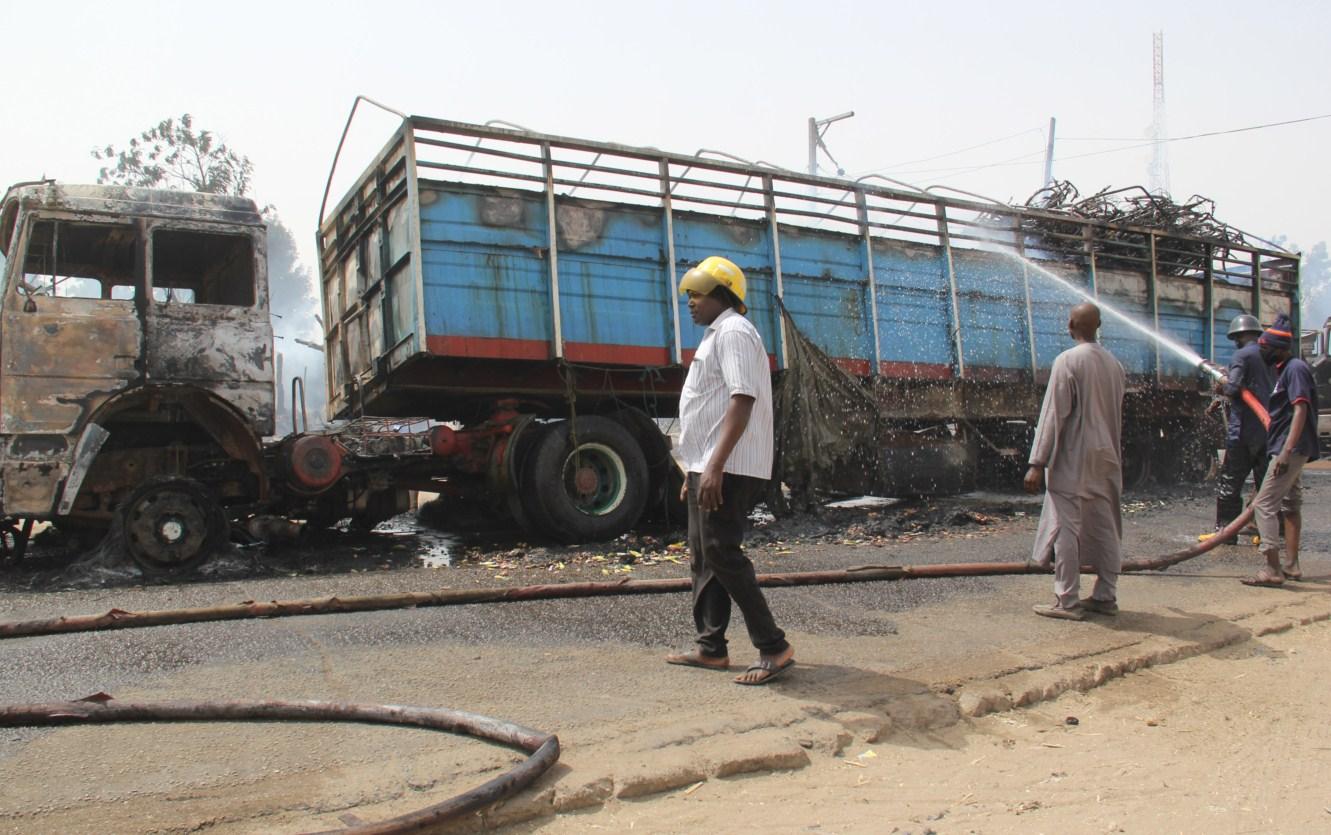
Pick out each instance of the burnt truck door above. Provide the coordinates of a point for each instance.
(207, 320)
(69, 337)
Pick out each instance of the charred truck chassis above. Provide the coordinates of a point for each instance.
(137, 376)
(524, 341)
(523, 287)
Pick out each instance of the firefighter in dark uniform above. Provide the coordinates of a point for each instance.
(1245, 442)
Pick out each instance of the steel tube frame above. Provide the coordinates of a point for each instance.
(945, 239)
(1208, 293)
(1020, 243)
(769, 198)
(862, 207)
(667, 209)
(547, 160)
(1257, 287)
(1152, 278)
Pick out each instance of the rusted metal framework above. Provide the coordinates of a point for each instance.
(1113, 257)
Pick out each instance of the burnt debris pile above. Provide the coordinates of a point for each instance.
(1189, 230)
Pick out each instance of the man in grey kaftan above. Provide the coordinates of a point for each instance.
(1077, 453)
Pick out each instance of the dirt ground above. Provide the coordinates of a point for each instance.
(1231, 742)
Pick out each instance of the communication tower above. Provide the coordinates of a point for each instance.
(1159, 170)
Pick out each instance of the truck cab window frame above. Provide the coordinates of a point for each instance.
(201, 266)
(67, 258)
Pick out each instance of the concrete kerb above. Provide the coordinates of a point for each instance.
(1028, 687)
(829, 733)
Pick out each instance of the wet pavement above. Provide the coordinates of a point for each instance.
(587, 669)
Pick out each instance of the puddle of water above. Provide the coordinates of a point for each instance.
(865, 501)
(434, 547)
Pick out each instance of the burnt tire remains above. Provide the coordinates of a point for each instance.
(584, 480)
(171, 524)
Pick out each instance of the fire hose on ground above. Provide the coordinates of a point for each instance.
(543, 748)
(122, 619)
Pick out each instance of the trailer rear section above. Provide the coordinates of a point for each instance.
(519, 290)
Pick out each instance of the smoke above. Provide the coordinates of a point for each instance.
(1314, 281)
(296, 329)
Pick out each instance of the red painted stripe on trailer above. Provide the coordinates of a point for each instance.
(489, 347)
(915, 371)
(850, 365)
(616, 354)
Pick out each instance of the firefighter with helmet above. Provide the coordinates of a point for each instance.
(1245, 438)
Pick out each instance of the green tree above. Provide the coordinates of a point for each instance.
(174, 154)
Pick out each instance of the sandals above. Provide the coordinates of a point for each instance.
(769, 668)
(1264, 579)
(697, 659)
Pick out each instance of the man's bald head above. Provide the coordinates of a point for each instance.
(1084, 322)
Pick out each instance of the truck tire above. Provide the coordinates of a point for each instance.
(170, 524)
(594, 490)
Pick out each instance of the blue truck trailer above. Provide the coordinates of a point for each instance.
(520, 289)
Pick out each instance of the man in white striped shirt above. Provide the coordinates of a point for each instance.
(725, 413)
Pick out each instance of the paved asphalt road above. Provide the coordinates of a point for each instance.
(589, 670)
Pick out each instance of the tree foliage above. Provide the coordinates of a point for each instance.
(173, 155)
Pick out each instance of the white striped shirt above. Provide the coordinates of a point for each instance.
(730, 360)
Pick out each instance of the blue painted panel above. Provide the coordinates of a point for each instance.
(1050, 303)
(481, 271)
(486, 274)
(992, 307)
(827, 291)
(1130, 346)
(479, 292)
(612, 280)
(1187, 327)
(914, 304)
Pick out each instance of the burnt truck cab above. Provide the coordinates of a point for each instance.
(136, 363)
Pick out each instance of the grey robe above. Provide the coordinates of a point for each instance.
(1078, 442)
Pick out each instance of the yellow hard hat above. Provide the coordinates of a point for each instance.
(712, 272)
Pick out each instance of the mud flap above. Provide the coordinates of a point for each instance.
(85, 452)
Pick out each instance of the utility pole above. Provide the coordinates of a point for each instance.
(817, 127)
(1049, 155)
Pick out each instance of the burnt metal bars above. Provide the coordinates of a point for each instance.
(706, 179)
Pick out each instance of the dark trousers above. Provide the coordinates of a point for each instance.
(1240, 460)
(721, 572)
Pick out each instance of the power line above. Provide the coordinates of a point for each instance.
(965, 168)
(1138, 143)
(1194, 135)
(1026, 159)
(897, 165)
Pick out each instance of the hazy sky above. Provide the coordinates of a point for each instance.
(276, 79)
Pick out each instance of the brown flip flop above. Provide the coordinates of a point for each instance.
(695, 659)
(771, 668)
(1263, 581)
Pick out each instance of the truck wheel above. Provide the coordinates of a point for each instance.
(588, 491)
(171, 524)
